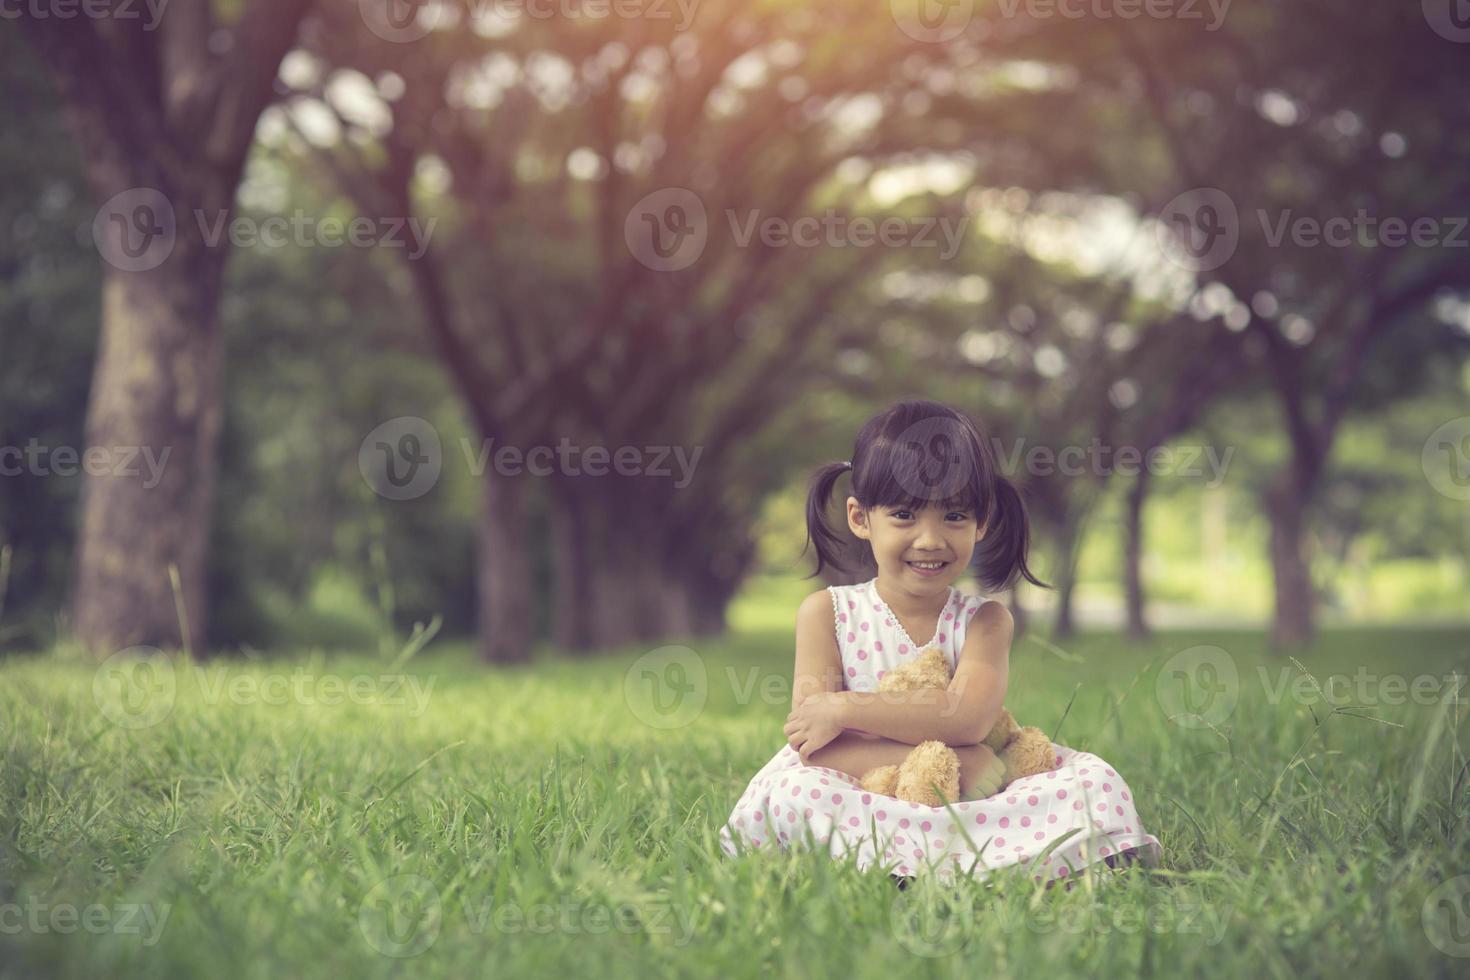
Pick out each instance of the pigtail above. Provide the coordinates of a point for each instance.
(1000, 557)
(819, 535)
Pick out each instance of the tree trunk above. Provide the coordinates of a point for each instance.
(613, 588)
(711, 608)
(714, 561)
(675, 616)
(1068, 539)
(155, 410)
(163, 123)
(571, 624)
(615, 578)
(1137, 625)
(675, 567)
(1294, 623)
(725, 568)
(505, 614)
(614, 607)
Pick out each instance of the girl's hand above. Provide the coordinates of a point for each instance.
(814, 723)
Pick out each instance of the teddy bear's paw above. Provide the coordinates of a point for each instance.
(1029, 753)
(930, 775)
(882, 780)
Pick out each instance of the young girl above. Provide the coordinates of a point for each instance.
(928, 498)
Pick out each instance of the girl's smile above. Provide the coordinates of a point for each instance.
(928, 569)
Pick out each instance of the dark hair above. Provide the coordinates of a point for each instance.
(919, 453)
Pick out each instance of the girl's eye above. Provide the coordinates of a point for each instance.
(901, 515)
(958, 516)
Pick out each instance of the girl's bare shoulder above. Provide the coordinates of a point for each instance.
(993, 615)
(818, 608)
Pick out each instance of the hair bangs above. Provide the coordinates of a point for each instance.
(933, 461)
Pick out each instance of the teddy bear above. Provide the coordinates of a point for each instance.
(930, 774)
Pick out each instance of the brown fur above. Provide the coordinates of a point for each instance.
(930, 774)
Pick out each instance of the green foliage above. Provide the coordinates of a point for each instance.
(312, 373)
(48, 313)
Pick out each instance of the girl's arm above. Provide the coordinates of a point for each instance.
(818, 661)
(964, 713)
(857, 756)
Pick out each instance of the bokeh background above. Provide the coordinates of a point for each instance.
(1197, 229)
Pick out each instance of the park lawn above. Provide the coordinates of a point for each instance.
(549, 820)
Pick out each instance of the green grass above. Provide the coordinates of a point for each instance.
(547, 828)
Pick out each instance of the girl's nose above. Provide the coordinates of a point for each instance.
(929, 539)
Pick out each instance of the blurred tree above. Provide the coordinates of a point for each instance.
(547, 140)
(319, 357)
(164, 115)
(1386, 143)
(1079, 374)
(1243, 140)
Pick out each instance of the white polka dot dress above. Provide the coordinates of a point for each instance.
(1082, 811)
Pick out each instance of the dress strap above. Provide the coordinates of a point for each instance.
(840, 606)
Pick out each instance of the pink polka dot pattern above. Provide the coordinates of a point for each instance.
(1084, 797)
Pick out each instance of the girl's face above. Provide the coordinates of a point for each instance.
(923, 550)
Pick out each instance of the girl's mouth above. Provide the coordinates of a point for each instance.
(927, 569)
